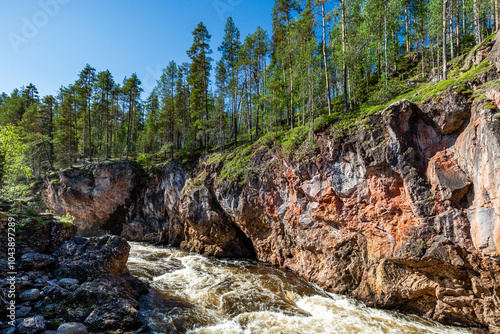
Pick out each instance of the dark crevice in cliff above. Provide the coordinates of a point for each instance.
(240, 235)
(247, 242)
(114, 224)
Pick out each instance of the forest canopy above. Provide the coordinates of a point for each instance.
(322, 60)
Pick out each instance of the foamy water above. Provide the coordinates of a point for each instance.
(195, 294)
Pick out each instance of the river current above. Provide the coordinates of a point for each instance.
(191, 293)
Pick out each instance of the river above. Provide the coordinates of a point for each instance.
(191, 293)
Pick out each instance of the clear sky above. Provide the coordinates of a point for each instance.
(48, 42)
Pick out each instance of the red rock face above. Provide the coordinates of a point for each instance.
(477, 150)
(98, 199)
(395, 218)
(402, 216)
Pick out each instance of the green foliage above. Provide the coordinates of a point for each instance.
(13, 191)
(419, 245)
(67, 220)
(143, 159)
(324, 121)
(271, 139)
(13, 167)
(373, 52)
(425, 91)
(293, 139)
(237, 165)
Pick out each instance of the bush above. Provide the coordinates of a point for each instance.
(294, 139)
(67, 220)
(143, 159)
(323, 121)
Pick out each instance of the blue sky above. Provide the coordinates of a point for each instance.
(48, 42)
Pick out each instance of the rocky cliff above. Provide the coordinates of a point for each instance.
(403, 212)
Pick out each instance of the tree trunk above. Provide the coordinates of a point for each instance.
(496, 15)
(438, 59)
(129, 126)
(323, 14)
(51, 145)
(90, 130)
(477, 24)
(445, 60)
(385, 49)
(457, 27)
(379, 46)
(451, 35)
(344, 66)
(75, 143)
(107, 126)
(235, 115)
(292, 116)
(85, 133)
(407, 25)
(432, 57)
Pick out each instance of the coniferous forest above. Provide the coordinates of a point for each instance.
(323, 61)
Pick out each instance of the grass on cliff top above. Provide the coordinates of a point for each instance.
(237, 163)
(458, 77)
(424, 91)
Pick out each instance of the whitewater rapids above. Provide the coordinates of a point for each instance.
(191, 293)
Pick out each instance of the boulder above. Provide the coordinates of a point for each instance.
(449, 181)
(72, 328)
(83, 258)
(31, 325)
(98, 196)
(36, 260)
(111, 302)
(447, 112)
(23, 311)
(29, 295)
(117, 314)
(67, 282)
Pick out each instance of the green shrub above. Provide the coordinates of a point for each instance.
(294, 138)
(143, 159)
(324, 121)
(67, 220)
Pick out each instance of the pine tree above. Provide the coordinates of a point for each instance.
(105, 85)
(230, 48)
(221, 78)
(325, 58)
(283, 11)
(85, 85)
(150, 135)
(65, 134)
(199, 79)
(166, 88)
(131, 90)
(47, 110)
